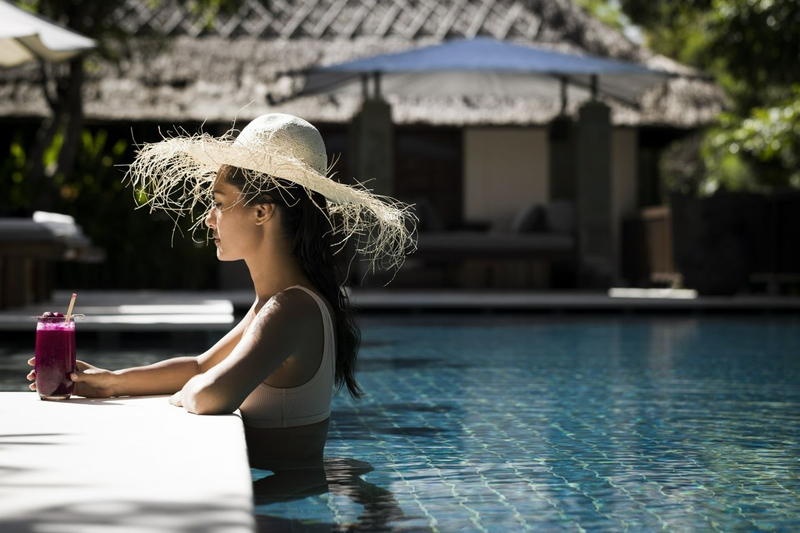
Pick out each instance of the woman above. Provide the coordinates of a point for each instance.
(272, 205)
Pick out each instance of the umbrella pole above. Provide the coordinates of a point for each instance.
(376, 86)
(376, 76)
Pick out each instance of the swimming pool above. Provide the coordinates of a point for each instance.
(492, 423)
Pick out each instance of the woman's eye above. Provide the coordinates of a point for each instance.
(217, 205)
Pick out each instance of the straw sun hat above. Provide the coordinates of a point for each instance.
(176, 175)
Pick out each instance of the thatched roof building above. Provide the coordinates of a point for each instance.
(176, 69)
(473, 161)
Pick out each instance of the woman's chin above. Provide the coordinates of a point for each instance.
(222, 256)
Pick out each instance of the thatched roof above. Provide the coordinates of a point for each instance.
(198, 72)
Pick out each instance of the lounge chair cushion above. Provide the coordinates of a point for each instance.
(560, 216)
(529, 219)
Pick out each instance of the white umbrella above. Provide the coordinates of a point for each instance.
(27, 37)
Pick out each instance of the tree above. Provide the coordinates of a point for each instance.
(74, 170)
(752, 47)
(62, 83)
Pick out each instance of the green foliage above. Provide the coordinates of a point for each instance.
(752, 48)
(141, 251)
(95, 18)
(725, 167)
(674, 29)
(139, 246)
(51, 153)
(679, 172)
(15, 192)
(609, 13)
(759, 44)
(766, 143)
(206, 11)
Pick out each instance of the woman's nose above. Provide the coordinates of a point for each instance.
(210, 219)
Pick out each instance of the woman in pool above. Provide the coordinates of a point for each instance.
(269, 202)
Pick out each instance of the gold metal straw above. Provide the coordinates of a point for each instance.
(71, 304)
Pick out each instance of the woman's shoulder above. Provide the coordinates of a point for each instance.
(289, 320)
(306, 301)
(292, 305)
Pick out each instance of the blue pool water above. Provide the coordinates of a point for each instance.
(491, 423)
(609, 424)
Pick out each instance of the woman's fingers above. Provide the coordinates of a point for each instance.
(32, 377)
(32, 374)
(81, 368)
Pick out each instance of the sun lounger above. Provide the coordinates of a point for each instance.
(536, 232)
(495, 245)
(27, 244)
(46, 236)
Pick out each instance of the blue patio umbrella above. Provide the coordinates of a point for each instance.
(484, 66)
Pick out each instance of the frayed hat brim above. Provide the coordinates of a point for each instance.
(176, 175)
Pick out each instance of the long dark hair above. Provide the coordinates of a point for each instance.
(305, 223)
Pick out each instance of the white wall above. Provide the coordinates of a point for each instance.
(505, 169)
(624, 184)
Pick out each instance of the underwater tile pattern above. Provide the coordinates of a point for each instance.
(499, 424)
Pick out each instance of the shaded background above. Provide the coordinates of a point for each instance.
(719, 143)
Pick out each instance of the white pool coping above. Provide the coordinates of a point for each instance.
(120, 465)
(214, 312)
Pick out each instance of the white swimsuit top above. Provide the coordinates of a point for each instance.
(274, 407)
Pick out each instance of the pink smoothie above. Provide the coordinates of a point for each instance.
(55, 358)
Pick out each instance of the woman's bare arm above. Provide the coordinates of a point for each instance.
(170, 376)
(279, 331)
(164, 377)
(212, 357)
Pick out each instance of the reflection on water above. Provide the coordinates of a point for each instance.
(337, 476)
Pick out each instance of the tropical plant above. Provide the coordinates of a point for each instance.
(139, 246)
(69, 168)
(62, 83)
(752, 48)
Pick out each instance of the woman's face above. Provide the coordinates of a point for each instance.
(232, 222)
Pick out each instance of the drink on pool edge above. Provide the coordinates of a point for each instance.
(55, 357)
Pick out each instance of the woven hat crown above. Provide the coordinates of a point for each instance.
(285, 134)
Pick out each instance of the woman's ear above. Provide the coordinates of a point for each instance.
(264, 212)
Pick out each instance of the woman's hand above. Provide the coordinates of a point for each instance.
(175, 399)
(187, 396)
(93, 382)
(198, 398)
(90, 381)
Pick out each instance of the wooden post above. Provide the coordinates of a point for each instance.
(595, 235)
